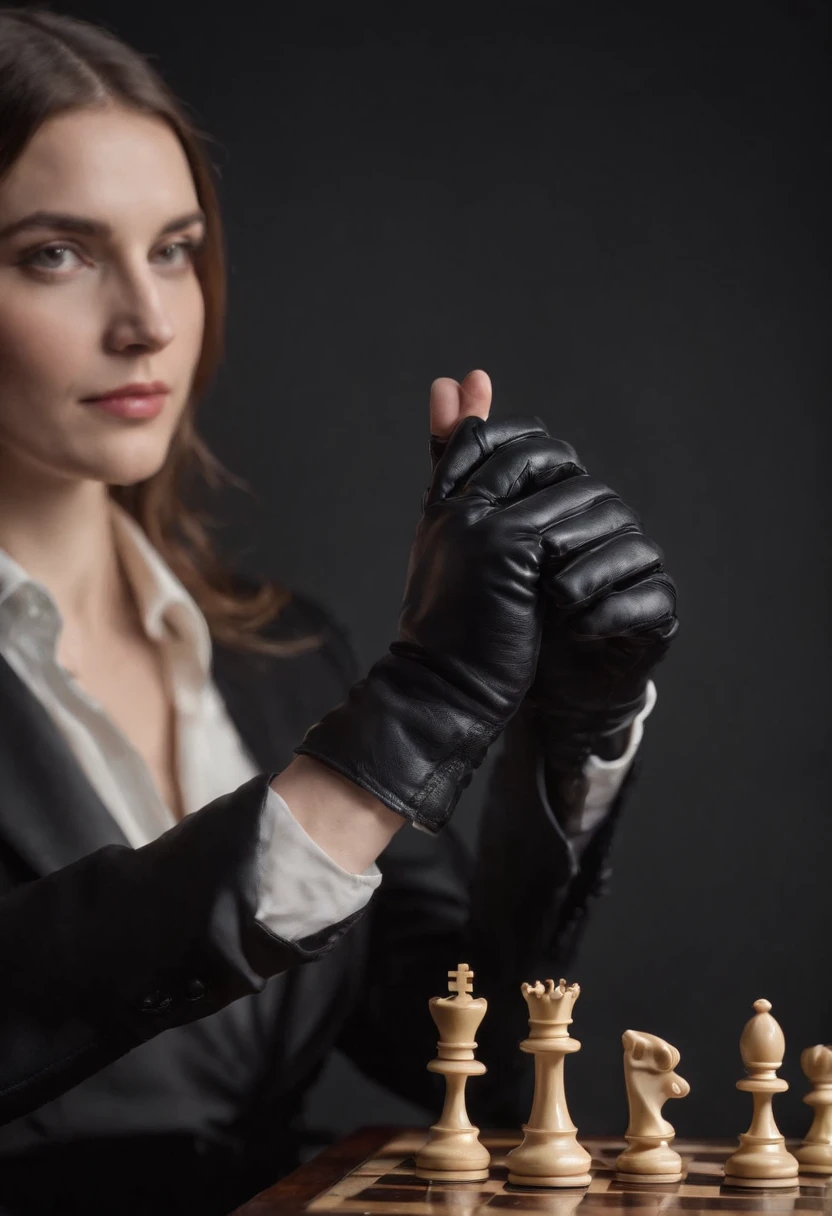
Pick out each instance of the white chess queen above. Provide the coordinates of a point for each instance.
(166, 863)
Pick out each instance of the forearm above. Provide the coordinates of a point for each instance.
(348, 823)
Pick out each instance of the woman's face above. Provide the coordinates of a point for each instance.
(104, 297)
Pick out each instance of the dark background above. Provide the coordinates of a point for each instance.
(620, 211)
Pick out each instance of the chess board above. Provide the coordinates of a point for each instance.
(384, 1184)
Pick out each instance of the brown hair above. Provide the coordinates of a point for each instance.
(51, 63)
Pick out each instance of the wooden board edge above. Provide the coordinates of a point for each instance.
(307, 1182)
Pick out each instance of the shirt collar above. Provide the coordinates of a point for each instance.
(169, 614)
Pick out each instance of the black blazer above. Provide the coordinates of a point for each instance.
(154, 1035)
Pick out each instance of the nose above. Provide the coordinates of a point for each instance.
(138, 320)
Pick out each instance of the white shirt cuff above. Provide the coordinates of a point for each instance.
(301, 890)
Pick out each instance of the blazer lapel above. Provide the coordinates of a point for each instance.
(50, 814)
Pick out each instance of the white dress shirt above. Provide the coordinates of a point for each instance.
(301, 889)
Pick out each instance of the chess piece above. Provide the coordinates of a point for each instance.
(549, 1154)
(649, 1064)
(815, 1153)
(762, 1160)
(453, 1151)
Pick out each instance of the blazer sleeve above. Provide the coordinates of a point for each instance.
(515, 910)
(106, 953)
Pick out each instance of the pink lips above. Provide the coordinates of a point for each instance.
(138, 401)
(131, 407)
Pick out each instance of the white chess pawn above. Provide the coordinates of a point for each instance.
(815, 1153)
(649, 1064)
(762, 1159)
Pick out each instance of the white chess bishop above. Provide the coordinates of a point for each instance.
(762, 1159)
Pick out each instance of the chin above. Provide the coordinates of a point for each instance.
(130, 463)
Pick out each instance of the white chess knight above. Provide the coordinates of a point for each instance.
(650, 1076)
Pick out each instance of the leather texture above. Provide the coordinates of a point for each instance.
(609, 605)
(415, 729)
(610, 617)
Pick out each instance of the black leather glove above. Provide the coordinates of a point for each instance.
(609, 618)
(413, 731)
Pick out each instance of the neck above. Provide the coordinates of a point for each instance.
(60, 532)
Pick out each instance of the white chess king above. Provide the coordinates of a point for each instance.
(454, 1152)
(549, 1155)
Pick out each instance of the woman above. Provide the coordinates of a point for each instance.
(140, 684)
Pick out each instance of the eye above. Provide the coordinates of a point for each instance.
(50, 258)
(180, 253)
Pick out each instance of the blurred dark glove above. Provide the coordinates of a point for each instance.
(413, 731)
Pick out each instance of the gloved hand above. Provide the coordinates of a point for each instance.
(609, 616)
(609, 619)
(415, 728)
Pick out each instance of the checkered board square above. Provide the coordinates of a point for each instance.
(385, 1185)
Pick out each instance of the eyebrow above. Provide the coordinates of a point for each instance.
(62, 222)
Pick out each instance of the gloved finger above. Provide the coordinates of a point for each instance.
(473, 441)
(589, 511)
(521, 467)
(647, 608)
(536, 512)
(623, 558)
